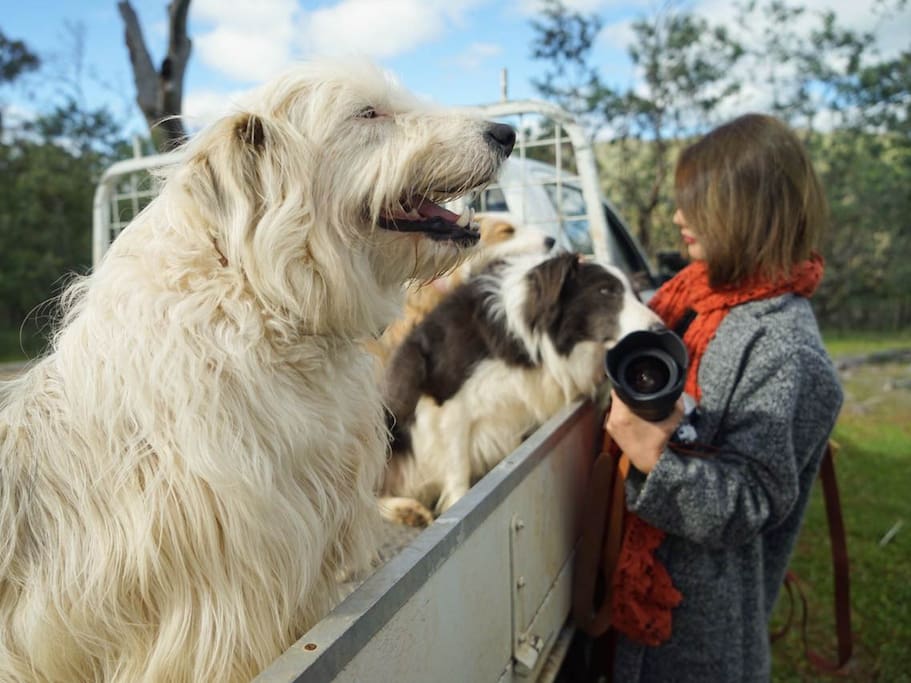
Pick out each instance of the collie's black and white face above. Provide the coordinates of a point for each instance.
(561, 302)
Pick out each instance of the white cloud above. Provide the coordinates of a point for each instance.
(251, 41)
(890, 36)
(246, 41)
(616, 36)
(15, 116)
(254, 15)
(379, 29)
(246, 55)
(201, 107)
(533, 7)
(476, 54)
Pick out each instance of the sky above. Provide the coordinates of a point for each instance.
(452, 52)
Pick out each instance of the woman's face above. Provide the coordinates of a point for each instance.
(693, 246)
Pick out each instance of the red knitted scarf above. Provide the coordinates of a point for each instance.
(642, 594)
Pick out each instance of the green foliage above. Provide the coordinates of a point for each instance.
(833, 76)
(840, 343)
(564, 39)
(15, 59)
(867, 176)
(683, 61)
(48, 171)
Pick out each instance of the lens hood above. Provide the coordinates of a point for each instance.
(647, 369)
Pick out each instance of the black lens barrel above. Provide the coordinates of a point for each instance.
(647, 370)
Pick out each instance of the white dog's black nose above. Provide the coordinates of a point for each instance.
(501, 137)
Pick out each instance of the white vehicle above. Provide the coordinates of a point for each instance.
(484, 593)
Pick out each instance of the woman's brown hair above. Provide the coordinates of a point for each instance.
(749, 192)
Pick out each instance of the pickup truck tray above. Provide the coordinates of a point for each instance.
(482, 594)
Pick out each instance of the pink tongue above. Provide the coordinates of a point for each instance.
(430, 210)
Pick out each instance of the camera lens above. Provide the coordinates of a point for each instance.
(646, 375)
(648, 369)
(646, 372)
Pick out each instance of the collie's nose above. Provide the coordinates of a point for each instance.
(501, 137)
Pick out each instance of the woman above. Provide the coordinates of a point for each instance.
(722, 522)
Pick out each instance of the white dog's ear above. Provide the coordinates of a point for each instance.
(231, 171)
(250, 130)
(545, 284)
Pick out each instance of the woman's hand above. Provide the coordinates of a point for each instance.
(642, 441)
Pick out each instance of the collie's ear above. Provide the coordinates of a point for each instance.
(545, 285)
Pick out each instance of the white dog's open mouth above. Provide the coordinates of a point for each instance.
(433, 221)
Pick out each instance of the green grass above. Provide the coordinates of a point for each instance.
(859, 343)
(873, 466)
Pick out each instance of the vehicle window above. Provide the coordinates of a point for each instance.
(491, 199)
(573, 218)
(625, 251)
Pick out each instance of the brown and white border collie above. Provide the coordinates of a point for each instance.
(498, 357)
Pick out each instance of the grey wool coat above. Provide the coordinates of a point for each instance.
(770, 397)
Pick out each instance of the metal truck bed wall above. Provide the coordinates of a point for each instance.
(483, 593)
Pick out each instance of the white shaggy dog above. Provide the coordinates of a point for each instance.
(186, 474)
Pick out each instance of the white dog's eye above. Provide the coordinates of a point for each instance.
(367, 113)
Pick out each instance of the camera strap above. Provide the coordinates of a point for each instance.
(599, 544)
(841, 578)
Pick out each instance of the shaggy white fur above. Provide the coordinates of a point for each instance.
(188, 472)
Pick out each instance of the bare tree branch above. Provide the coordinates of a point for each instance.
(159, 92)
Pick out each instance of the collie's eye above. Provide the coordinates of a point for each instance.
(367, 113)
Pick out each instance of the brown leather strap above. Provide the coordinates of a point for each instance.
(840, 567)
(841, 574)
(596, 553)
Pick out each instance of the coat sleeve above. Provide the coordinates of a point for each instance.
(776, 424)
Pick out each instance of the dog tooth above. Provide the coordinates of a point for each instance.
(464, 218)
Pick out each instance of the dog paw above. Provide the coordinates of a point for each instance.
(407, 511)
(449, 497)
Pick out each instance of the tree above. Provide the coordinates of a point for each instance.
(159, 92)
(852, 108)
(47, 179)
(48, 170)
(15, 61)
(684, 64)
(564, 40)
